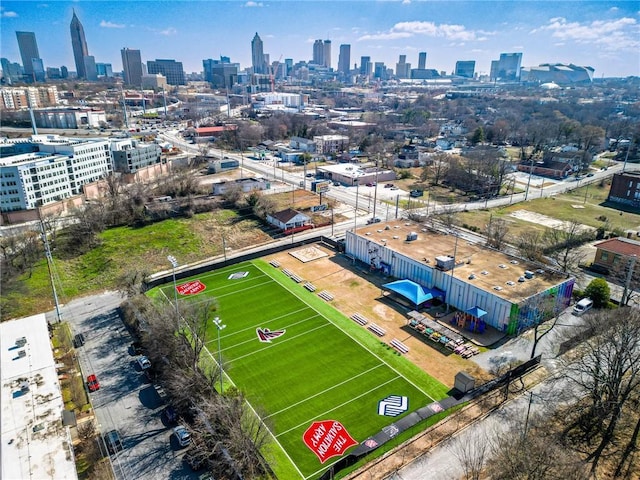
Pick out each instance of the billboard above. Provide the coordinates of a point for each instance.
(320, 186)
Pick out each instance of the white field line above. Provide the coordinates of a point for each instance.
(256, 325)
(337, 385)
(280, 342)
(307, 422)
(354, 339)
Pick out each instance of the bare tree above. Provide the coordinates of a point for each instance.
(497, 232)
(627, 272)
(607, 371)
(530, 245)
(562, 244)
(197, 319)
(471, 454)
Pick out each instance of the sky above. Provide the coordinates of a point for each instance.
(602, 34)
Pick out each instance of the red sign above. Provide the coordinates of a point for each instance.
(191, 288)
(327, 439)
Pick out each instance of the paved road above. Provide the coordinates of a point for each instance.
(441, 462)
(125, 401)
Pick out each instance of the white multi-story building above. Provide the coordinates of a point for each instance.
(331, 143)
(58, 170)
(15, 98)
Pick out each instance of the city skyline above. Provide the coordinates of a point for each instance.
(603, 35)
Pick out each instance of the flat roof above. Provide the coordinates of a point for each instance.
(490, 268)
(35, 444)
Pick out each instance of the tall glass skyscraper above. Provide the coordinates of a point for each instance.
(79, 45)
(257, 55)
(31, 61)
(132, 66)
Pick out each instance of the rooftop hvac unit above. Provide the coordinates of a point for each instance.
(444, 263)
(411, 236)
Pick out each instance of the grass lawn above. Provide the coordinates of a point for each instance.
(323, 367)
(126, 249)
(562, 207)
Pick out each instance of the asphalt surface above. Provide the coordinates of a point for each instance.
(126, 401)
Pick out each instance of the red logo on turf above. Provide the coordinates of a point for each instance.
(191, 288)
(327, 439)
(265, 335)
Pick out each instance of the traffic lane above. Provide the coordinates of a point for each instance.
(126, 401)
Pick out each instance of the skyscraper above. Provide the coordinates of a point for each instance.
(344, 59)
(507, 68)
(79, 45)
(326, 54)
(30, 55)
(422, 60)
(257, 55)
(171, 69)
(366, 66)
(318, 53)
(402, 67)
(132, 66)
(465, 68)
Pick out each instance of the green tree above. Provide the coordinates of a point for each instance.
(478, 136)
(598, 291)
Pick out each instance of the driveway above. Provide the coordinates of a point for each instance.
(125, 400)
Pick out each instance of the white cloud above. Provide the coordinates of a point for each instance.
(107, 24)
(622, 33)
(428, 29)
(614, 9)
(168, 31)
(406, 2)
(8, 14)
(253, 4)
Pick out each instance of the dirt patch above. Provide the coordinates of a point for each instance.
(356, 290)
(541, 219)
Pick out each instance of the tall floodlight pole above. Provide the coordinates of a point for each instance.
(174, 264)
(219, 325)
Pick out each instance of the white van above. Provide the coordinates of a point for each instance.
(582, 306)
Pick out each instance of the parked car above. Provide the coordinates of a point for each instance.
(582, 306)
(78, 340)
(590, 174)
(373, 220)
(182, 435)
(92, 383)
(388, 185)
(394, 187)
(416, 193)
(113, 441)
(144, 362)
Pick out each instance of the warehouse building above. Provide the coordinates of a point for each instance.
(514, 293)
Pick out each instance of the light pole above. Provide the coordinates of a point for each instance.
(174, 264)
(455, 251)
(355, 216)
(219, 325)
(375, 191)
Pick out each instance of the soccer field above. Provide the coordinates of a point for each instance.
(298, 362)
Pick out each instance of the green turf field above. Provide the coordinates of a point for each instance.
(323, 367)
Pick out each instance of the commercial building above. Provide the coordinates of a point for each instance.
(34, 426)
(318, 53)
(129, 155)
(220, 74)
(465, 68)
(80, 50)
(132, 67)
(344, 59)
(246, 185)
(507, 68)
(514, 293)
(257, 55)
(331, 143)
(366, 67)
(69, 117)
(403, 68)
(349, 174)
(11, 71)
(422, 60)
(31, 61)
(104, 70)
(171, 69)
(154, 81)
(58, 169)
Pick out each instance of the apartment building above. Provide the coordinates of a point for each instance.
(331, 143)
(15, 98)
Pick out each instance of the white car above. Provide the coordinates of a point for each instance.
(182, 435)
(144, 362)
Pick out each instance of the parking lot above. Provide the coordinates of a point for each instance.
(126, 401)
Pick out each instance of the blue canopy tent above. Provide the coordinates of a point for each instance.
(412, 291)
(476, 312)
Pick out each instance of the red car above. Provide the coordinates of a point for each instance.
(92, 383)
